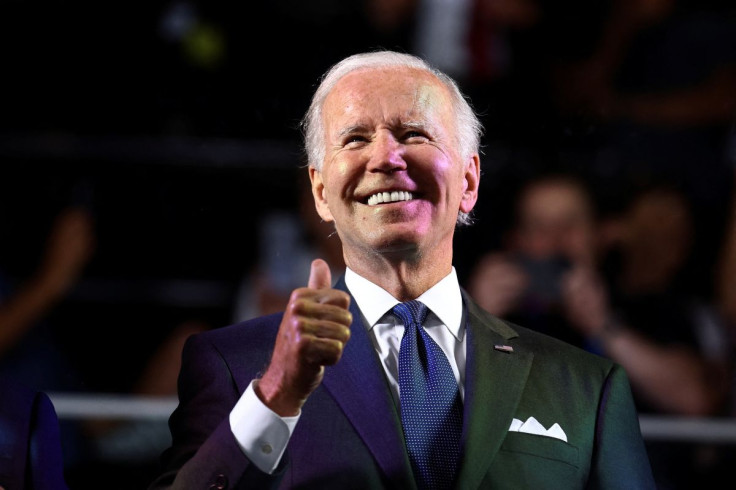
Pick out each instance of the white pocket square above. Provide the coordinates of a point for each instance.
(531, 426)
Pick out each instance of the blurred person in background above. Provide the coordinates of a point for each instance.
(656, 94)
(30, 350)
(553, 231)
(26, 349)
(643, 311)
(616, 287)
(613, 288)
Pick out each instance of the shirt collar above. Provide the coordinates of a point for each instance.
(443, 299)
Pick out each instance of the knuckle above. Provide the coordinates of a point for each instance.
(333, 352)
(300, 325)
(295, 294)
(297, 305)
(342, 298)
(298, 293)
(302, 345)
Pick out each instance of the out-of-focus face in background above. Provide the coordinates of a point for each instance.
(555, 219)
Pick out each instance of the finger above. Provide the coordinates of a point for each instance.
(323, 352)
(336, 313)
(327, 330)
(331, 307)
(319, 275)
(306, 301)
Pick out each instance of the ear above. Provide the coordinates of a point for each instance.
(471, 182)
(318, 192)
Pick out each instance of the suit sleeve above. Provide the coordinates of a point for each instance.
(204, 452)
(620, 460)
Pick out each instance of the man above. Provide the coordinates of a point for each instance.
(318, 397)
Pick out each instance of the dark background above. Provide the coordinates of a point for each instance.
(177, 156)
(180, 141)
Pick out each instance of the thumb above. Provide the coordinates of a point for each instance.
(320, 276)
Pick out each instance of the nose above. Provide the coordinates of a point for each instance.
(387, 153)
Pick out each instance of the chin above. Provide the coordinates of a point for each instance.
(396, 243)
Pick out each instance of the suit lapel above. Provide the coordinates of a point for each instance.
(359, 386)
(494, 383)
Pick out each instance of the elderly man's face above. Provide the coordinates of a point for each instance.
(392, 179)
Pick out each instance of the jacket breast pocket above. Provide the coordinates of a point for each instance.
(543, 447)
(534, 462)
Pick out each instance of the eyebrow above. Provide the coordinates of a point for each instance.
(355, 128)
(358, 128)
(414, 125)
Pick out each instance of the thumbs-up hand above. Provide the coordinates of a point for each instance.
(312, 335)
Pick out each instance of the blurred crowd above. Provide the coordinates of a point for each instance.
(607, 214)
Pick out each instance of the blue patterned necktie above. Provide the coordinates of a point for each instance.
(431, 409)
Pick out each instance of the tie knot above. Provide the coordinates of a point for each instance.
(411, 312)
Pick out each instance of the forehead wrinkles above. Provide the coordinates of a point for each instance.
(395, 98)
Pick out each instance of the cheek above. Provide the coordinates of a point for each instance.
(433, 170)
(342, 177)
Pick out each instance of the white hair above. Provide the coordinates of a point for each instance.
(469, 127)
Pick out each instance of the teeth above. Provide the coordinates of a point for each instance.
(394, 196)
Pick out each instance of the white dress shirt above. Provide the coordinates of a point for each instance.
(263, 435)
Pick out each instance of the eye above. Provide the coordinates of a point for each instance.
(414, 135)
(353, 140)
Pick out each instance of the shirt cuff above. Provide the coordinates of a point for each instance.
(261, 433)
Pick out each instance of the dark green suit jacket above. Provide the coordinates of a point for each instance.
(349, 435)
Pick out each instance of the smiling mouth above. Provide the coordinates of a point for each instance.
(388, 197)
